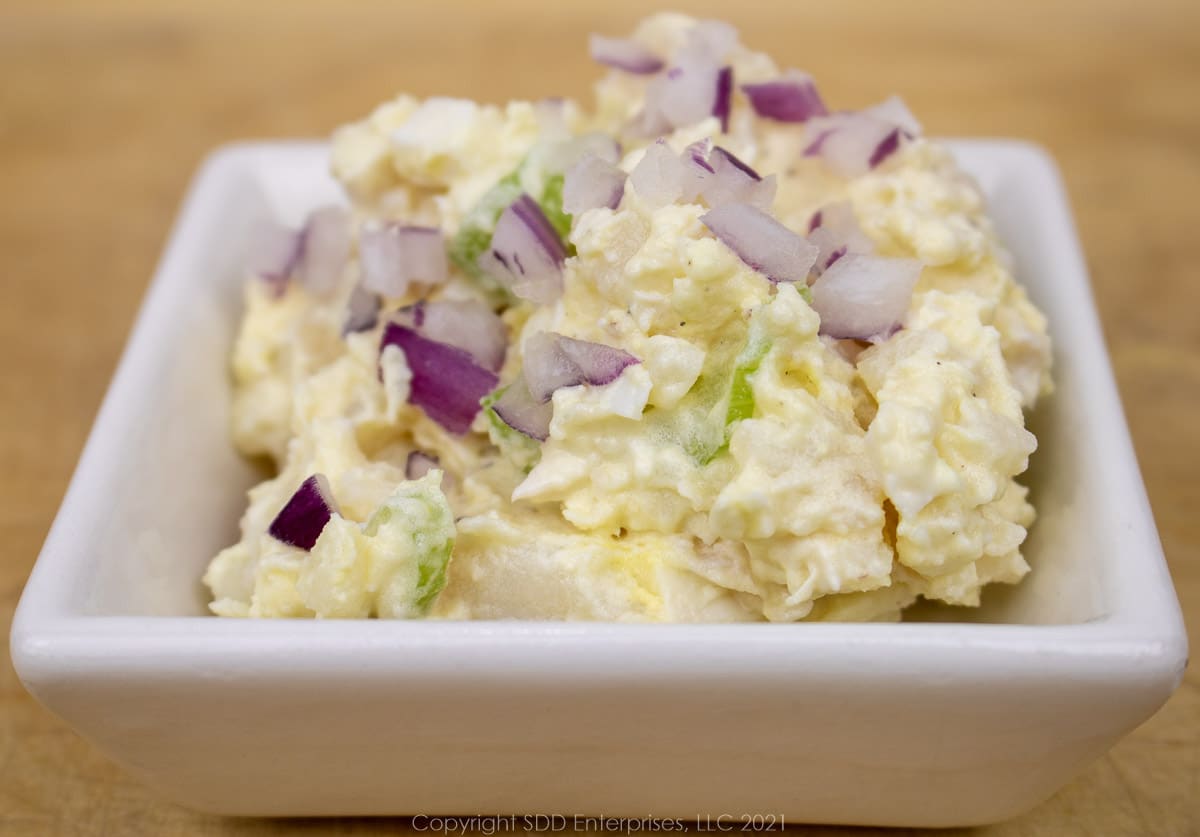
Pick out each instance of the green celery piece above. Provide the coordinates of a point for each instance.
(741, 392)
(419, 507)
(741, 395)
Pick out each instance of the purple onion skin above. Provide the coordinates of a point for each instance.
(785, 101)
(527, 209)
(814, 147)
(738, 164)
(834, 256)
(303, 518)
(721, 105)
(446, 383)
(886, 148)
(814, 221)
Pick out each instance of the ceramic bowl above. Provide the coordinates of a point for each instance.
(969, 716)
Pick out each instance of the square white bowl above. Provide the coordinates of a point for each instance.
(968, 718)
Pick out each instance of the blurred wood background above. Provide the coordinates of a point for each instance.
(106, 108)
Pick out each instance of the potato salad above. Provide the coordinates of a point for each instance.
(706, 349)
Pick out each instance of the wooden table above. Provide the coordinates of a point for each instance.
(106, 109)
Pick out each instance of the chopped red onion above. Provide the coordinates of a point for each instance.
(275, 254)
(659, 176)
(697, 173)
(553, 361)
(395, 255)
(724, 97)
(520, 411)
(302, 519)
(894, 111)
(446, 382)
(791, 98)
(591, 183)
(701, 170)
(697, 85)
(830, 259)
(527, 255)
(325, 246)
(736, 182)
(728, 157)
(762, 242)
(418, 464)
(886, 148)
(864, 297)
(468, 324)
(854, 143)
(624, 54)
(835, 230)
(362, 310)
(688, 93)
(697, 154)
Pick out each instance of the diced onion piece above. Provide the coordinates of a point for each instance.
(724, 97)
(791, 98)
(688, 93)
(418, 464)
(854, 143)
(446, 382)
(736, 182)
(697, 155)
(698, 84)
(520, 411)
(274, 255)
(324, 249)
(315, 254)
(301, 520)
(591, 183)
(624, 54)
(468, 324)
(714, 174)
(698, 173)
(527, 255)
(762, 242)
(553, 361)
(727, 158)
(894, 111)
(864, 297)
(835, 230)
(658, 178)
(362, 310)
(394, 255)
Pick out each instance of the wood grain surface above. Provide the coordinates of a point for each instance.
(106, 108)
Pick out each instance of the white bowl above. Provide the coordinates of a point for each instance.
(969, 719)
